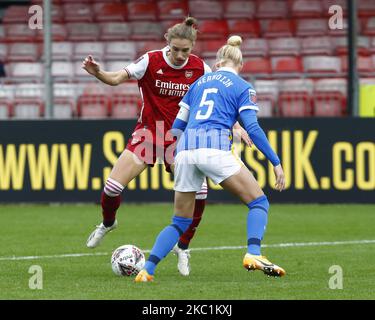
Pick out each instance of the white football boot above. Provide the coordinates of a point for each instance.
(183, 264)
(98, 234)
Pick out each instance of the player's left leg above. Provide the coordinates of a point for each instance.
(181, 249)
(244, 185)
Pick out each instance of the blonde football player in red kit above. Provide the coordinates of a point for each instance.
(164, 76)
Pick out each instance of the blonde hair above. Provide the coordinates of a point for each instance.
(183, 30)
(230, 52)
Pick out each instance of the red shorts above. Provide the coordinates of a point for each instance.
(148, 147)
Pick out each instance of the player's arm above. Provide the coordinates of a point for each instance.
(181, 120)
(257, 135)
(110, 78)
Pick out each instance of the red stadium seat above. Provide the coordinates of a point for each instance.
(115, 31)
(341, 45)
(6, 98)
(62, 51)
(24, 71)
(117, 65)
(5, 109)
(23, 52)
(213, 29)
(364, 64)
(16, 14)
(125, 50)
(19, 33)
(28, 102)
(294, 98)
(282, 65)
(64, 104)
(285, 46)
(322, 64)
(306, 8)
(94, 103)
(83, 49)
(256, 67)
(294, 104)
(271, 9)
(328, 104)
(27, 109)
(267, 95)
(369, 27)
(125, 101)
(3, 52)
(143, 30)
(257, 47)
(311, 27)
(203, 9)
(329, 97)
(144, 11)
(62, 71)
(146, 46)
(276, 28)
(59, 33)
(244, 28)
(210, 48)
(239, 9)
(78, 12)
(173, 10)
(2, 33)
(317, 46)
(366, 8)
(372, 45)
(82, 31)
(110, 12)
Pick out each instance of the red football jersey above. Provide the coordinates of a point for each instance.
(162, 85)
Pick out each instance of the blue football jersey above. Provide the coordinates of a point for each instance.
(214, 102)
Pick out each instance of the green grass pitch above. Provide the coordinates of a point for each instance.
(307, 240)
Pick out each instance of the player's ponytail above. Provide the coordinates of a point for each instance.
(183, 30)
(230, 52)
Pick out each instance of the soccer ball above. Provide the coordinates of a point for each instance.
(127, 260)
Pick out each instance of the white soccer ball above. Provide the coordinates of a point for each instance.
(127, 260)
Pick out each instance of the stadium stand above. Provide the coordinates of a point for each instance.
(285, 41)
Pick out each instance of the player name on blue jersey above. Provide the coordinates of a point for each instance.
(215, 101)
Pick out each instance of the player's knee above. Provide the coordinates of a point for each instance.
(261, 201)
(113, 188)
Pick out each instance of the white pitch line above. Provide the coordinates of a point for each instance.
(276, 245)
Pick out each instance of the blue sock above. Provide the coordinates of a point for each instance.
(165, 241)
(256, 223)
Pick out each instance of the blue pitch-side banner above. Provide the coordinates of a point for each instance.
(325, 160)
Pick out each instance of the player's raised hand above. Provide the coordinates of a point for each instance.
(90, 65)
(280, 177)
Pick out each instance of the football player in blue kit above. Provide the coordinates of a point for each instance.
(207, 114)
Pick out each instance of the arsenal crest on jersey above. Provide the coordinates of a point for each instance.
(188, 74)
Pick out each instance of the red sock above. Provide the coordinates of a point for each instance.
(109, 206)
(185, 239)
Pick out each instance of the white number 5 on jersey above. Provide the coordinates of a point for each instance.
(205, 102)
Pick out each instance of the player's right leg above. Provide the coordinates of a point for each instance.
(127, 167)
